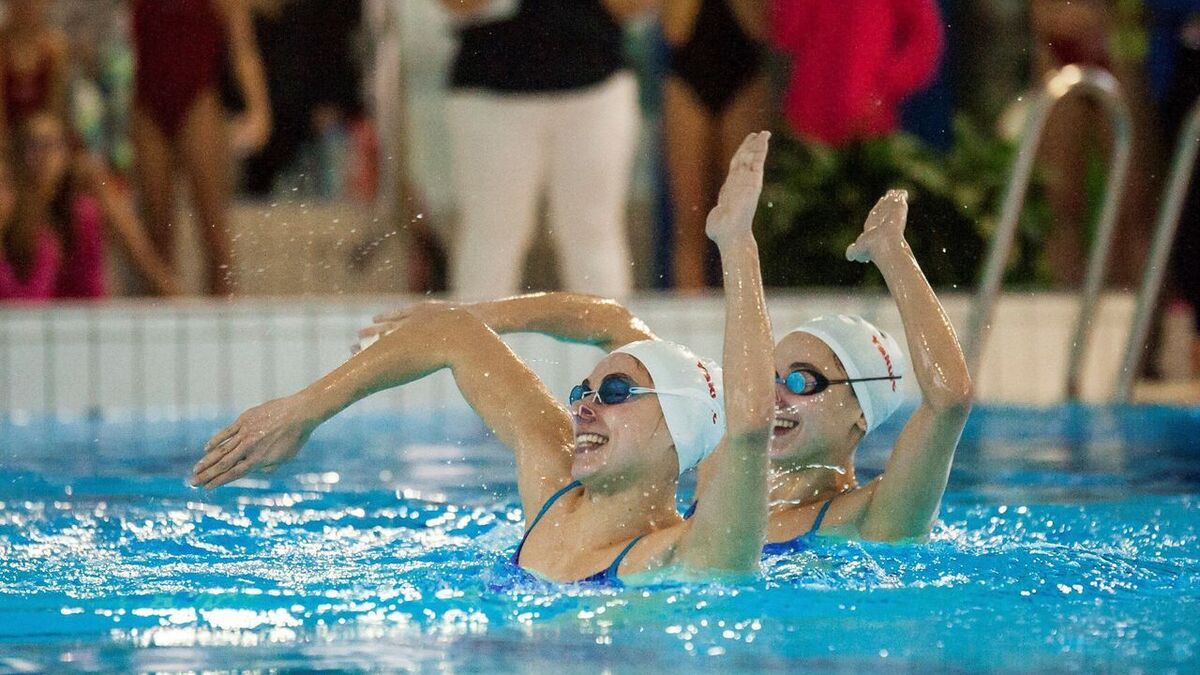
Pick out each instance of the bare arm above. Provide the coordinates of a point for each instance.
(730, 524)
(501, 389)
(906, 497)
(59, 51)
(570, 317)
(252, 130)
(121, 217)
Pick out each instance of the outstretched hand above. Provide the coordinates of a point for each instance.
(884, 227)
(386, 322)
(263, 437)
(734, 213)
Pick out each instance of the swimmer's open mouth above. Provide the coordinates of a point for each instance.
(783, 425)
(586, 442)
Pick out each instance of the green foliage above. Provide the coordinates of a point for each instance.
(815, 200)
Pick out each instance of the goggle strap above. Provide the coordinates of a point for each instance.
(866, 379)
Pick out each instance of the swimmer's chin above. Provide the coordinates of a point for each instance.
(780, 449)
(587, 464)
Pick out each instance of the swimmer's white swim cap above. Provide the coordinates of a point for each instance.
(690, 396)
(865, 351)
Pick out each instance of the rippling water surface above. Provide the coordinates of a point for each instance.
(1068, 541)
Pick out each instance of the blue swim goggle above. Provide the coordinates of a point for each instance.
(808, 382)
(613, 389)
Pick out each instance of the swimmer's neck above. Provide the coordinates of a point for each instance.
(811, 484)
(617, 515)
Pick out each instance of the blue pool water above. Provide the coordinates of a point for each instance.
(1068, 541)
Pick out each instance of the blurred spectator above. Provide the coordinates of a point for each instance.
(542, 97)
(178, 121)
(853, 64)
(101, 82)
(53, 231)
(717, 91)
(33, 65)
(1174, 73)
(1065, 33)
(313, 83)
(1076, 143)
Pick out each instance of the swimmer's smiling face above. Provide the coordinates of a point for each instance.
(821, 428)
(620, 444)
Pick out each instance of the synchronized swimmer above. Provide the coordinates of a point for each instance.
(602, 471)
(775, 449)
(818, 422)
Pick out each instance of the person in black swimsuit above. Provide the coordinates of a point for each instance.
(715, 93)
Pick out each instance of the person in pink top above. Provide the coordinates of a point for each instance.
(52, 240)
(853, 63)
(29, 261)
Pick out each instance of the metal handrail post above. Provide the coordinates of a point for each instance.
(1104, 87)
(1114, 189)
(1182, 167)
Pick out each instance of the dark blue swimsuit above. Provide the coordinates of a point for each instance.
(607, 576)
(800, 543)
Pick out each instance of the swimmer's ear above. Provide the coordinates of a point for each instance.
(861, 424)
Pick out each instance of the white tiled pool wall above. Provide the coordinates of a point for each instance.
(167, 360)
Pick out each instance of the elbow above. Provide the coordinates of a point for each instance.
(952, 396)
(446, 331)
(750, 414)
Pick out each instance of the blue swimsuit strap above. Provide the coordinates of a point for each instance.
(611, 572)
(820, 517)
(545, 507)
(816, 523)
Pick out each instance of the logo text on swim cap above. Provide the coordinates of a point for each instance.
(712, 389)
(887, 359)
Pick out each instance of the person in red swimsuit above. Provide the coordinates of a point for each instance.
(853, 64)
(33, 67)
(178, 120)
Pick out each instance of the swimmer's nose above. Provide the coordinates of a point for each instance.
(584, 412)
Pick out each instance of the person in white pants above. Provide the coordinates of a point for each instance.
(579, 147)
(542, 104)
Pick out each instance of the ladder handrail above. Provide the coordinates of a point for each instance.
(1102, 86)
(1175, 194)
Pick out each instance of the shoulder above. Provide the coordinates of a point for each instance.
(655, 551)
(843, 515)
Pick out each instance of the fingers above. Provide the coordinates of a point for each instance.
(752, 153)
(391, 317)
(220, 467)
(233, 473)
(387, 316)
(214, 456)
(222, 436)
(856, 253)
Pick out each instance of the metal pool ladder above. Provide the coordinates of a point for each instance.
(1101, 85)
(1174, 197)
